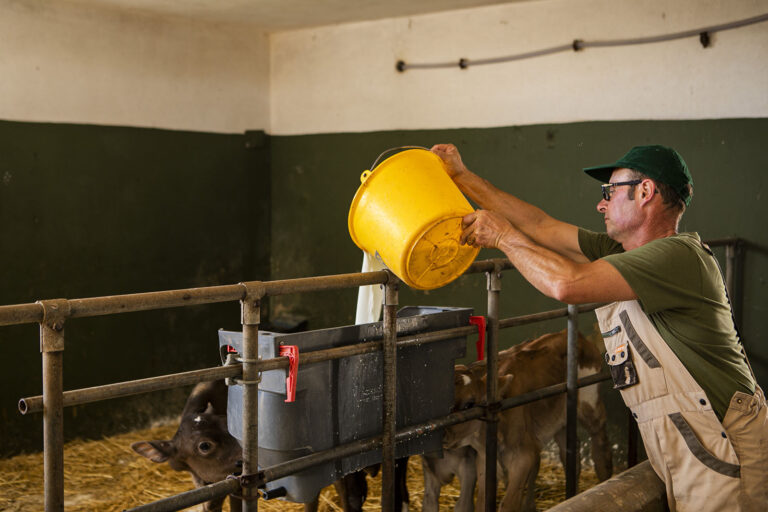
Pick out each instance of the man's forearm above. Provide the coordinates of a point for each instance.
(526, 217)
(548, 271)
(564, 279)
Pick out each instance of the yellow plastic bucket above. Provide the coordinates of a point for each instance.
(409, 211)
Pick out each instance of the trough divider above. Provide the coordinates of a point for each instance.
(389, 417)
(572, 397)
(493, 286)
(52, 347)
(250, 317)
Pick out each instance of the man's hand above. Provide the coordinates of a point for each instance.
(483, 228)
(451, 159)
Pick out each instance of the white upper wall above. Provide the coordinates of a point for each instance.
(60, 62)
(63, 62)
(342, 78)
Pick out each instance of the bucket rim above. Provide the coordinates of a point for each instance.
(366, 183)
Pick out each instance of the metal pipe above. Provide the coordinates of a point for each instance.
(96, 306)
(572, 397)
(34, 404)
(484, 266)
(635, 490)
(718, 242)
(545, 315)
(53, 431)
(251, 317)
(108, 305)
(295, 465)
(549, 391)
(493, 284)
(323, 283)
(134, 387)
(389, 384)
(190, 498)
(737, 298)
(52, 348)
(114, 304)
(21, 314)
(730, 258)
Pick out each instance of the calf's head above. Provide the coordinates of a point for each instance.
(468, 392)
(202, 446)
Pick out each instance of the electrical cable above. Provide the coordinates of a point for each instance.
(578, 45)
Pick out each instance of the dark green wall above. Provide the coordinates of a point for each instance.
(95, 210)
(314, 179)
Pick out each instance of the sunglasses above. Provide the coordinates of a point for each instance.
(607, 189)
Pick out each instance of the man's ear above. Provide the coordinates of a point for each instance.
(647, 190)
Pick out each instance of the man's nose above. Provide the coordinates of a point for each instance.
(602, 206)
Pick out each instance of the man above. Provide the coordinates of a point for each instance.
(672, 345)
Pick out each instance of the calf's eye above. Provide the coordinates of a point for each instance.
(205, 447)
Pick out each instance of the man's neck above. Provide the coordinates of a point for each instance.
(648, 234)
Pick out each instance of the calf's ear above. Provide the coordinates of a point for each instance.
(505, 384)
(156, 451)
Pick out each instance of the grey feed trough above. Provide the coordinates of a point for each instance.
(340, 401)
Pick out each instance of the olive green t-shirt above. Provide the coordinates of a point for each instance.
(681, 290)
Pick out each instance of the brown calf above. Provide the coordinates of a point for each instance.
(524, 430)
(202, 444)
(203, 447)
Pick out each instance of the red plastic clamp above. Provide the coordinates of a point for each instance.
(479, 321)
(292, 353)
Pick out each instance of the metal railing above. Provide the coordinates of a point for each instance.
(53, 314)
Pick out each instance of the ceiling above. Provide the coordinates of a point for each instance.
(276, 15)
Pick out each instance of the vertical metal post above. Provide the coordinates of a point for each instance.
(250, 317)
(55, 313)
(734, 254)
(738, 281)
(492, 389)
(730, 258)
(389, 417)
(572, 393)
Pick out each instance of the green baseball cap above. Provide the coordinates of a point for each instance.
(661, 163)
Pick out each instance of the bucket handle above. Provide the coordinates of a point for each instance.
(376, 162)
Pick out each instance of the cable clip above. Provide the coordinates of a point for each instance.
(705, 39)
(292, 353)
(479, 321)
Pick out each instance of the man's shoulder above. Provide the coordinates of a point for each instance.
(665, 273)
(676, 245)
(596, 245)
(672, 251)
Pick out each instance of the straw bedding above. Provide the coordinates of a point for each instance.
(107, 475)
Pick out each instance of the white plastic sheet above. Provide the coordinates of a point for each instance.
(370, 298)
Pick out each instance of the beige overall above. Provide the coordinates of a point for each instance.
(706, 465)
